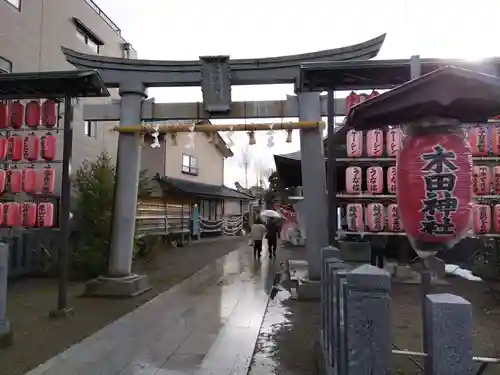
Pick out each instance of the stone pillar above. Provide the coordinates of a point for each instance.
(119, 281)
(314, 182)
(5, 329)
(338, 341)
(449, 335)
(329, 255)
(368, 321)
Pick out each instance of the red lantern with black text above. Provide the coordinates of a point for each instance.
(393, 218)
(49, 114)
(28, 214)
(375, 180)
(354, 144)
(393, 141)
(353, 180)
(481, 179)
(355, 221)
(496, 218)
(391, 180)
(351, 100)
(3, 180)
(45, 215)
(48, 147)
(482, 218)
(375, 217)
(434, 188)
(375, 143)
(16, 114)
(14, 180)
(478, 140)
(29, 178)
(4, 115)
(496, 179)
(30, 147)
(15, 147)
(4, 147)
(2, 214)
(47, 178)
(33, 114)
(12, 214)
(373, 94)
(495, 141)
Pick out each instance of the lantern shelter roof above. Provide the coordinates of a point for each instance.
(374, 74)
(52, 84)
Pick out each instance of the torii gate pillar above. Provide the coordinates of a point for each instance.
(119, 280)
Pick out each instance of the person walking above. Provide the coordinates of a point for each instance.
(273, 232)
(257, 233)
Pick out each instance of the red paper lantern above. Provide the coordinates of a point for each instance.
(2, 214)
(355, 217)
(16, 112)
(351, 100)
(29, 180)
(391, 180)
(354, 180)
(15, 147)
(28, 214)
(434, 189)
(393, 141)
(478, 140)
(4, 115)
(4, 147)
(393, 218)
(12, 214)
(33, 114)
(3, 180)
(496, 179)
(496, 218)
(495, 141)
(14, 181)
(482, 218)
(30, 147)
(47, 178)
(375, 216)
(373, 94)
(354, 144)
(45, 216)
(49, 115)
(481, 180)
(375, 143)
(375, 180)
(48, 147)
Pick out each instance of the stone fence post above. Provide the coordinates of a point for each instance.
(449, 335)
(5, 329)
(368, 321)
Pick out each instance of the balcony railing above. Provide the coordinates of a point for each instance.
(103, 16)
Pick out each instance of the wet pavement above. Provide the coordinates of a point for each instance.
(207, 324)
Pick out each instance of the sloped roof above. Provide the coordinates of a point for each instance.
(201, 189)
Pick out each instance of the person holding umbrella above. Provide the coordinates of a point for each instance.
(273, 230)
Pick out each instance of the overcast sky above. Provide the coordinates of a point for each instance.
(187, 29)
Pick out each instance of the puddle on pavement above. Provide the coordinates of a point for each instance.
(286, 343)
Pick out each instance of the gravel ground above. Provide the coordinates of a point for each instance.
(37, 338)
(288, 340)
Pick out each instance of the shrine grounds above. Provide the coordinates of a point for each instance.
(288, 339)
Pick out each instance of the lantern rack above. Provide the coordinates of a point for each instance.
(345, 232)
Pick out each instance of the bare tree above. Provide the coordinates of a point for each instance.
(245, 161)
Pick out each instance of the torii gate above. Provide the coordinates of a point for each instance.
(215, 74)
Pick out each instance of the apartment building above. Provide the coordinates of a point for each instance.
(31, 35)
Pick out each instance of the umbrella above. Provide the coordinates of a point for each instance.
(270, 214)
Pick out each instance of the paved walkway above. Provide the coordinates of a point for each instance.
(207, 324)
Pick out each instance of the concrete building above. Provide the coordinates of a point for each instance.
(31, 35)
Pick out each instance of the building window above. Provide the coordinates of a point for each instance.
(15, 3)
(90, 129)
(189, 165)
(5, 65)
(92, 44)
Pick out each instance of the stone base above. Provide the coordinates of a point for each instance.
(308, 290)
(123, 287)
(6, 334)
(323, 365)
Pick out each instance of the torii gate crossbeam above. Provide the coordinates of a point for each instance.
(215, 74)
